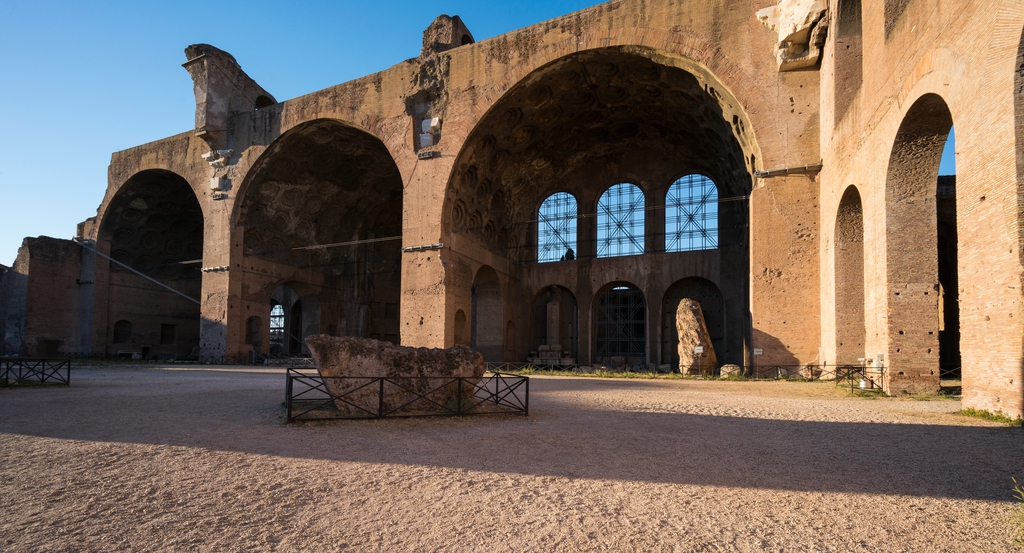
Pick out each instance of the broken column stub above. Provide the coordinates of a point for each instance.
(693, 332)
(445, 33)
(222, 90)
(416, 371)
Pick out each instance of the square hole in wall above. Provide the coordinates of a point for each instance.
(168, 334)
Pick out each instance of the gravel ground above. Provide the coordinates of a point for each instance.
(152, 459)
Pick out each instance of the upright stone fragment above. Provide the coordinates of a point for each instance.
(693, 332)
(347, 365)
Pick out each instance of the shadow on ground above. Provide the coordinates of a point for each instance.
(242, 412)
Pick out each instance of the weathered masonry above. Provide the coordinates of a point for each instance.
(559, 189)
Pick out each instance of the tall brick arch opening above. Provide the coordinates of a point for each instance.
(915, 291)
(849, 279)
(153, 229)
(582, 124)
(321, 210)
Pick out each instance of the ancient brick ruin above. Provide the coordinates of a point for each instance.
(776, 163)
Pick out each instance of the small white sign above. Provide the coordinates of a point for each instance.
(698, 349)
(758, 352)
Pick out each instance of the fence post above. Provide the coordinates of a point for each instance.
(288, 396)
(526, 406)
(380, 400)
(459, 403)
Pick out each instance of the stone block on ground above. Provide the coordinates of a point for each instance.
(731, 370)
(415, 371)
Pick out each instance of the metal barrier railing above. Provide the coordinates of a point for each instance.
(841, 374)
(308, 396)
(285, 360)
(136, 358)
(21, 371)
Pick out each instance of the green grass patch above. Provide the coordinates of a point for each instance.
(990, 416)
(1017, 513)
(867, 393)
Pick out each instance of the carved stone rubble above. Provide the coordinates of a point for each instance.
(693, 332)
(418, 371)
(802, 26)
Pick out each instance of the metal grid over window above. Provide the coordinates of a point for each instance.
(622, 324)
(556, 228)
(620, 221)
(276, 328)
(691, 215)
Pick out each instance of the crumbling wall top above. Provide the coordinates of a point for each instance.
(222, 89)
(801, 25)
(445, 33)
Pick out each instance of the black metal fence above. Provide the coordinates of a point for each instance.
(147, 359)
(841, 374)
(308, 396)
(284, 360)
(21, 371)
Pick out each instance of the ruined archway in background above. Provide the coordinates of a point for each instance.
(488, 315)
(555, 321)
(154, 225)
(912, 246)
(580, 125)
(710, 299)
(323, 208)
(295, 310)
(849, 279)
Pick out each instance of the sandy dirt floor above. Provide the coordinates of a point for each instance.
(147, 459)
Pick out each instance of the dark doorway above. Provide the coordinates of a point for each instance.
(621, 327)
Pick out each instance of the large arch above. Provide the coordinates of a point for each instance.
(153, 230)
(912, 247)
(851, 333)
(581, 124)
(322, 210)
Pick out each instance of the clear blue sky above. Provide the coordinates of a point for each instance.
(81, 80)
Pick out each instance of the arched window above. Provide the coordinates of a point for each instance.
(691, 215)
(276, 328)
(620, 221)
(556, 228)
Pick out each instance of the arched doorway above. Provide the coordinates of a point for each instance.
(555, 322)
(710, 299)
(153, 230)
(620, 327)
(912, 249)
(849, 279)
(488, 315)
(294, 316)
(322, 211)
(462, 334)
